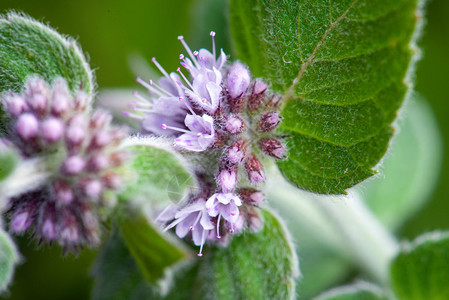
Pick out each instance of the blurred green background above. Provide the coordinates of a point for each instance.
(111, 32)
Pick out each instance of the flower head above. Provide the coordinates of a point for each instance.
(81, 150)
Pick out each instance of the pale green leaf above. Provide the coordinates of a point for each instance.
(155, 175)
(9, 257)
(421, 269)
(8, 161)
(341, 67)
(410, 170)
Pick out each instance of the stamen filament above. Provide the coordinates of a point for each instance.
(218, 227)
(165, 126)
(149, 87)
(181, 38)
(212, 34)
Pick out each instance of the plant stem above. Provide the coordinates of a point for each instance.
(342, 223)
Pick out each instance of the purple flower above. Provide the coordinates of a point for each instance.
(193, 218)
(238, 80)
(225, 205)
(200, 135)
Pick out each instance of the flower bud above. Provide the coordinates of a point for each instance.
(64, 193)
(100, 119)
(269, 121)
(81, 100)
(74, 135)
(227, 179)
(238, 80)
(52, 129)
(16, 105)
(272, 147)
(234, 125)
(21, 221)
(257, 96)
(73, 165)
(92, 188)
(237, 151)
(60, 96)
(251, 196)
(27, 126)
(254, 169)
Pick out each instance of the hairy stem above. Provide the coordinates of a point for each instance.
(341, 223)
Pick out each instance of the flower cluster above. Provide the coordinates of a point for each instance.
(81, 153)
(225, 119)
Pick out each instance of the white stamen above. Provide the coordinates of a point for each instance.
(134, 116)
(187, 105)
(162, 89)
(165, 126)
(181, 38)
(203, 238)
(160, 67)
(218, 227)
(185, 79)
(212, 34)
(149, 87)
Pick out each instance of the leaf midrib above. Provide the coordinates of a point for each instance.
(290, 92)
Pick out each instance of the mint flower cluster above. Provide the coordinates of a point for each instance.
(81, 154)
(224, 122)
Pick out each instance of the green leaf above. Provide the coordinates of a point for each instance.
(358, 291)
(156, 175)
(151, 249)
(9, 257)
(341, 67)
(29, 47)
(254, 266)
(410, 170)
(8, 161)
(421, 269)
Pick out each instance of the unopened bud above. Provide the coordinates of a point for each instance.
(254, 169)
(73, 165)
(272, 147)
(98, 162)
(81, 100)
(100, 118)
(251, 196)
(112, 181)
(74, 135)
(16, 105)
(227, 179)
(238, 80)
(92, 188)
(257, 96)
(21, 221)
(234, 125)
(237, 151)
(27, 126)
(63, 192)
(269, 121)
(52, 129)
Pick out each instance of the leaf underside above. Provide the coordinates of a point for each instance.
(341, 66)
(28, 47)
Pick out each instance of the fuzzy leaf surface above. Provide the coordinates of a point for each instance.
(30, 47)
(8, 161)
(254, 266)
(341, 66)
(421, 270)
(156, 176)
(9, 257)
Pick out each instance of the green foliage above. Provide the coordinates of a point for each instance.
(8, 161)
(358, 291)
(254, 266)
(341, 66)
(152, 250)
(156, 175)
(29, 47)
(9, 257)
(410, 170)
(421, 270)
